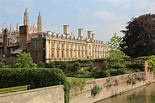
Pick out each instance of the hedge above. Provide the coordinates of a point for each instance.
(36, 77)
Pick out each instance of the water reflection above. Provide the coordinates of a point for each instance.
(145, 94)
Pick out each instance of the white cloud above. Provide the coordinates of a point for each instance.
(143, 4)
(116, 1)
(109, 16)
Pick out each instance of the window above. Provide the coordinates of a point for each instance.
(62, 54)
(36, 44)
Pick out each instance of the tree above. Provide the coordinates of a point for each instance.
(24, 60)
(114, 43)
(138, 36)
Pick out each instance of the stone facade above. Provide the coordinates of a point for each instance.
(66, 47)
(50, 46)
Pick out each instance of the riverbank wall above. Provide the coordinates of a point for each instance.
(53, 94)
(111, 86)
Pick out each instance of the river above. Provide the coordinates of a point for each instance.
(144, 94)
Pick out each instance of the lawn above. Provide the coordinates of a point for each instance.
(13, 89)
(70, 79)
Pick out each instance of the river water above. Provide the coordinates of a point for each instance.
(144, 94)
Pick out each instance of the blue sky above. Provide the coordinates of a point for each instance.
(103, 17)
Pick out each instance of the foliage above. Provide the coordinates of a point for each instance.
(24, 60)
(96, 90)
(115, 43)
(135, 66)
(1, 63)
(76, 67)
(36, 77)
(98, 73)
(108, 83)
(114, 72)
(51, 65)
(40, 64)
(78, 84)
(64, 66)
(151, 63)
(138, 36)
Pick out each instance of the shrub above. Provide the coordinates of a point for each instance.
(151, 63)
(96, 90)
(76, 67)
(1, 63)
(64, 66)
(107, 73)
(51, 65)
(113, 72)
(36, 77)
(24, 60)
(98, 73)
(40, 64)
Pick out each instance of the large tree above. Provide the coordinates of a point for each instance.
(138, 36)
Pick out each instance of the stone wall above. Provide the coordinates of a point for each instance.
(84, 96)
(54, 94)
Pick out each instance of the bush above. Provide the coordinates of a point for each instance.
(96, 90)
(24, 60)
(36, 77)
(76, 67)
(113, 72)
(40, 64)
(64, 66)
(98, 73)
(107, 73)
(51, 65)
(136, 66)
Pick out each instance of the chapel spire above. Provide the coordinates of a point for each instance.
(26, 19)
(39, 23)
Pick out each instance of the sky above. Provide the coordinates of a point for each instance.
(102, 17)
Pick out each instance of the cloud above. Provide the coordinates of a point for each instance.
(145, 5)
(106, 15)
(116, 1)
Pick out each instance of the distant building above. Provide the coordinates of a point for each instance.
(50, 46)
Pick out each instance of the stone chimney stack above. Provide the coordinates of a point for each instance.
(89, 34)
(5, 42)
(23, 35)
(80, 32)
(66, 29)
(92, 36)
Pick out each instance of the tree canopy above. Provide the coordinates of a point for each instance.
(115, 42)
(24, 60)
(138, 36)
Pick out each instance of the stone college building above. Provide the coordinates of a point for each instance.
(50, 46)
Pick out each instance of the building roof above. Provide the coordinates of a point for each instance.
(17, 51)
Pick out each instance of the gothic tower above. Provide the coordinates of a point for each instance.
(26, 19)
(39, 23)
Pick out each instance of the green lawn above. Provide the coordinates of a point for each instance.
(13, 89)
(70, 79)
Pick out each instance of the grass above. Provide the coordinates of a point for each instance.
(13, 89)
(71, 79)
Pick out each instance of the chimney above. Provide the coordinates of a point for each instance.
(66, 29)
(5, 42)
(89, 34)
(23, 35)
(93, 36)
(80, 32)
